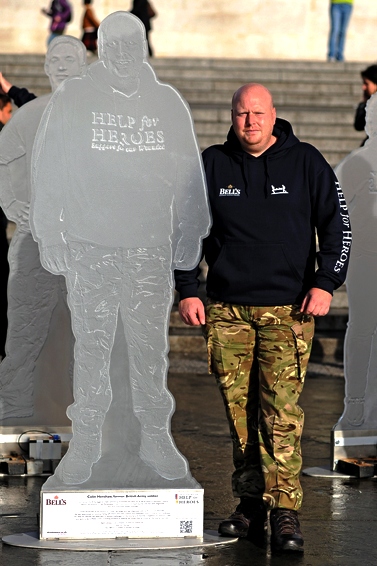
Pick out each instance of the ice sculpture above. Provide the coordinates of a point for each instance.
(357, 174)
(33, 293)
(119, 201)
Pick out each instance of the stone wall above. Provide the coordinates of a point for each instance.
(271, 29)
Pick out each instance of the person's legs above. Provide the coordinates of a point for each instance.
(232, 354)
(345, 15)
(284, 345)
(335, 17)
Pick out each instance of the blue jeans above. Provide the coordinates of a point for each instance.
(340, 17)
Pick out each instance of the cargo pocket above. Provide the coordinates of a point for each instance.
(208, 338)
(303, 336)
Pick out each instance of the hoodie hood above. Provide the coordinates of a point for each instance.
(284, 142)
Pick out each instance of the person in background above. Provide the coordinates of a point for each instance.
(5, 116)
(20, 96)
(369, 78)
(90, 26)
(143, 10)
(60, 13)
(5, 110)
(340, 14)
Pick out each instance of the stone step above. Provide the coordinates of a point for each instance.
(301, 68)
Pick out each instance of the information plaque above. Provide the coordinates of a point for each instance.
(158, 513)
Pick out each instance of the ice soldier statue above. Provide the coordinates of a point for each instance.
(33, 293)
(119, 201)
(358, 177)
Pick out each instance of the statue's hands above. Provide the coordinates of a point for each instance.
(18, 212)
(53, 258)
(186, 254)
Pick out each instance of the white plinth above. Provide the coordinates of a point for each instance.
(89, 514)
(31, 540)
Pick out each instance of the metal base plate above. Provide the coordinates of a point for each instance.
(31, 540)
(324, 473)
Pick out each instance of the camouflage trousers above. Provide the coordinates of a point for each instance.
(259, 356)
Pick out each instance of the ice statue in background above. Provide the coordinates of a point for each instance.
(119, 201)
(357, 174)
(33, 293)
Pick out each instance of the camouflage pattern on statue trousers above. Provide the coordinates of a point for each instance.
(259, 356)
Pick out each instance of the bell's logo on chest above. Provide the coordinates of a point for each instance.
(279, 190)
(230, 191)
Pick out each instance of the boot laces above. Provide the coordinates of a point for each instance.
(287, 522)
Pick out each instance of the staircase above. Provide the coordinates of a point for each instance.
(318, 98)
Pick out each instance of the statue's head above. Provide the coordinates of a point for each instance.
(122, 45)
(65, 58)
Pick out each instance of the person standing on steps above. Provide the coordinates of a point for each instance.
(269, 194)
(340, 14)
(369, 78)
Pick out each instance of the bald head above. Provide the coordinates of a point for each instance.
(253, 118)
(252, 89)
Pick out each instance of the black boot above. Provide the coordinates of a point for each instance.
(248, 520)
(285, 530)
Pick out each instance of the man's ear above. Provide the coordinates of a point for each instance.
(46, 67)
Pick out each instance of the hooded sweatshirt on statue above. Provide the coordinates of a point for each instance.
(266, 210)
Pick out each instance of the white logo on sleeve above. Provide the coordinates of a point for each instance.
(230, 191)
(279, 190)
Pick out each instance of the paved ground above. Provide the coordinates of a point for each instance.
(338, 516)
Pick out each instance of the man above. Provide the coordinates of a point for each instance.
(5, 110)
(33, 293)
(124, 202)
(268, 194)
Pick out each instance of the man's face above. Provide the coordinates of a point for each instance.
(369, 87)
(253, 119)
(123, 54)
(62, 62)
(6, 113)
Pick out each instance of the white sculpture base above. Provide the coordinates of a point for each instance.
(133, 513)
(353, 443)
(31, 540)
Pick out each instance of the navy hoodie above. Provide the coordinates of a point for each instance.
(266, 210)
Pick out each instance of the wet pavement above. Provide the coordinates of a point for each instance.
(338, 517)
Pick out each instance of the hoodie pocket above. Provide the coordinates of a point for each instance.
(242, 269)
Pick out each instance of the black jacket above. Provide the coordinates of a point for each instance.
(266, 210)
(20, 96)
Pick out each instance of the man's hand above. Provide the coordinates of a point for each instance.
(192, 311)
(53, 258)
(316, 302)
